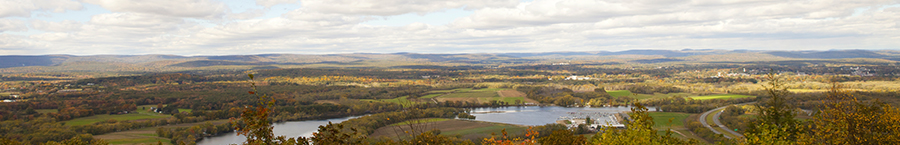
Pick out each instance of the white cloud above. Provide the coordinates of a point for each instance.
(548, 12)
(397, 7)
(141, 21)
(167, 27)
(173, 8)
(63, 26)
(249, 14)
(270, 3)
(12, 25)
(23, 8)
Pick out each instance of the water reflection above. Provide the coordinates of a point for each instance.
(536, 115)
(287, 129)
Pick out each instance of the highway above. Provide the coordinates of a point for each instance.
(718, 123)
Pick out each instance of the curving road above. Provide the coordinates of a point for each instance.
(716, 120)
(718, 123)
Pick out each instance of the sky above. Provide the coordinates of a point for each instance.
(241, 27)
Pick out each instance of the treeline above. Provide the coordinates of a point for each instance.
(190, 135)
(567, 97)
(650, 89)
(180, 78)
(371, 73)
(36, 131)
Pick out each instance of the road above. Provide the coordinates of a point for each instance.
(718, 123)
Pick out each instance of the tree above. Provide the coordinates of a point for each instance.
(775, 123)
(639, 131)
(562, 137)
(530, 135)
(257, 127)
(845, 120)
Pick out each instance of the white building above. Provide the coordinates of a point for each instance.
(575, 77)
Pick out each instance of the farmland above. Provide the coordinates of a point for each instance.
(106, 117)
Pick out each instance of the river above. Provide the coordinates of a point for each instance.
(524, 115)
(287, 129)
(537, 115)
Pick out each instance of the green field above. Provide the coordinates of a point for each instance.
(141, 140)
(482, 95)
(658, 95)
(661, 119)
(720, 96)
(442, 91)
(146, 108)
(429, 96)
(509, 100)
(399, 100)
(467, 93)
(123, 117)
(619, 93)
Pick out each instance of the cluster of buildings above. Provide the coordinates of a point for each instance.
(597, 120)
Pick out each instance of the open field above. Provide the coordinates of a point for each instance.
(662, 119)
(660, 95)
(443, 91)
(473, 93)
(485, 95)
(466, 129)
(399, 100)
(510, 93)
(138, 115)
(146, 109)
(105, 117)
(720, 96)
(429, 96)
(619, 93)
(145, 135)
(469, 95)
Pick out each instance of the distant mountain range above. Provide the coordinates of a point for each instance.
(479, 58)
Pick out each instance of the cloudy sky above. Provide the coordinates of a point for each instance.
(218, 27)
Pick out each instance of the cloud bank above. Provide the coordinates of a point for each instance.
(206, 27)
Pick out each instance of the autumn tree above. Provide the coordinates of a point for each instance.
(257, 127)
(639, 131)
(529, 139)
(842, 119)
(563, 137)
(775, 123)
